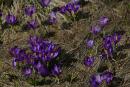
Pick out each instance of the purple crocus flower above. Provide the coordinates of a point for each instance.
(90, 43)
(14, 51)
(103, 21)
(11, 19)
(76, 7)
(95, 29)
(27, 71)
(52, 18)
(108, 39)
(107, 43)
(56, 70)
(29, 58)
(33, 24)
(107, 76)
(110, 51)
(88, 61)
(72, 7)
(69, 7)
(30, 10)
(37, 65)
(14, 62)
(41, 68)
(36, 43)
(52, 52)
(95, 80)
(18, 53)
(45, 3)
(44, 48)
(63, 10)
(116, 38)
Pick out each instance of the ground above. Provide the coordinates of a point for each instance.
(71, 38)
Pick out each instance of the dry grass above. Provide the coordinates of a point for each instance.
(71, 39)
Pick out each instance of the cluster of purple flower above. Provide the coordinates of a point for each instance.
(11, 19)
(29, 10)
(97, 79)
(101, 23)
(109, 43)
(69, 8)
(89, 60)
(40, 58)
(96, 29)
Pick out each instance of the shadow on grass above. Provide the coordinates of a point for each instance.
(12, 77)
(49, 34)
(40, 82)
(24, 28)
(66, 25)
(67, 59)
(1, 42)
(5, 26)
(125, 46)
(7, 2)
(119, 56)
(116, 82)
(121, 32)
(83, 2)
(102, 68)
(82, 15)
(8, 26)
(70, 78)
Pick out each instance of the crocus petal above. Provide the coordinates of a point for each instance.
(76, 8)
(95, 29)
(30, 10)
(45, 3)
(27, 71)
(116, 38)
(11, 19)
(33, 24)
(88, 61)
(107, 76)
(90, 43)
(69, 7)
(56, 70)
(95, 80)
(52, 18)
(43, 71)
(63, 10)
(103, 21)
(14, 63)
